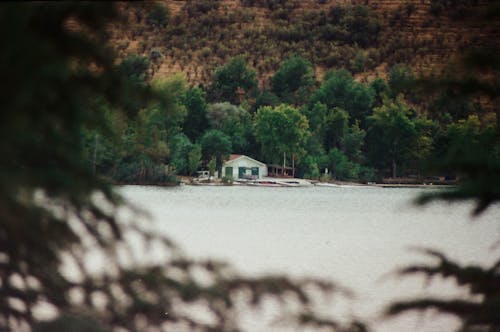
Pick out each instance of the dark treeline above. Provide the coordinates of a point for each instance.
(333, 127)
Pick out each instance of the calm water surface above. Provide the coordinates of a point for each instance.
(355, 236)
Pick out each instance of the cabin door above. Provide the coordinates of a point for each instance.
(255, 171)
(241, 172)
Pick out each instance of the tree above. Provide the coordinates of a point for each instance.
(279, 130)
(340, 90)
(216, 144)
(232, 81)
(381, 89)
(135, 69)
(54, 211)
(293, 82)
(158, 15)
(186, 156)
(171, 92)
(195, 122)
(352, 143)
(391, 134)
(234, 121)
(336, 125)
(401, 78)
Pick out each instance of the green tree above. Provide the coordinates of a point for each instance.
(451, 106)
(340, 90)
(212, 166)
(352, 143)
(171, 92)
(391, 134)
(279, 130)
(233, 81)
(134, 68)
(336, 125)
(194, 159)
(264, 98)
(195, 122)
(216, 144)
(340, 166)
(158, 15)
(234, 121)
(186, 156)
(381, 89)
(294, 81)
(401, 79)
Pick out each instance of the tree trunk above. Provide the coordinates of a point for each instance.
(283, 171)
(393, 167)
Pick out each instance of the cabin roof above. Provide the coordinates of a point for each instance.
(235, 157)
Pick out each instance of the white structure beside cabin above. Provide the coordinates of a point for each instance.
(244, 167)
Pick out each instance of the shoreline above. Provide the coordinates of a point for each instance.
(306, 183)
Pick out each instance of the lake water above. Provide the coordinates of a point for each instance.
(355, 236)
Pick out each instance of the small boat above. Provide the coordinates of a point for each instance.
(265, 184)
(326, 184)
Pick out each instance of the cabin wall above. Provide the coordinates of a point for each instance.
(243, 162)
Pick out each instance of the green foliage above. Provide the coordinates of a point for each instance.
(316, 116)
(401, 79)
(381, 89)
(265, 98)
(352, 143)
(340, 90)
(233, 121)
(158, 16)
(340, 166)
(392, 134)
(216, 144)
(449, 106)
(232, 81)
(186, 156)
(212, 166)
(472, 153)
(170, 107)
(279, 130)
(195, 122)
(219, 114)
(309, 167)
(293, 82)
(135, 69)
(336, 123)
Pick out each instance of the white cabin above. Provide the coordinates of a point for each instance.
(243, 167)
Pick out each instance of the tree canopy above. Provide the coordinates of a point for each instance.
(232, 81)
(293, 82)
(282, 129)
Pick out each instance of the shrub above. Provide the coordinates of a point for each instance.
(158, 16)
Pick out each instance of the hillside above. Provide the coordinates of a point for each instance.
(366, 37)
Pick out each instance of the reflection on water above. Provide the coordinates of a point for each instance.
(355, 236)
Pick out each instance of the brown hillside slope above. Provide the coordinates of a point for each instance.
(197, 39)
